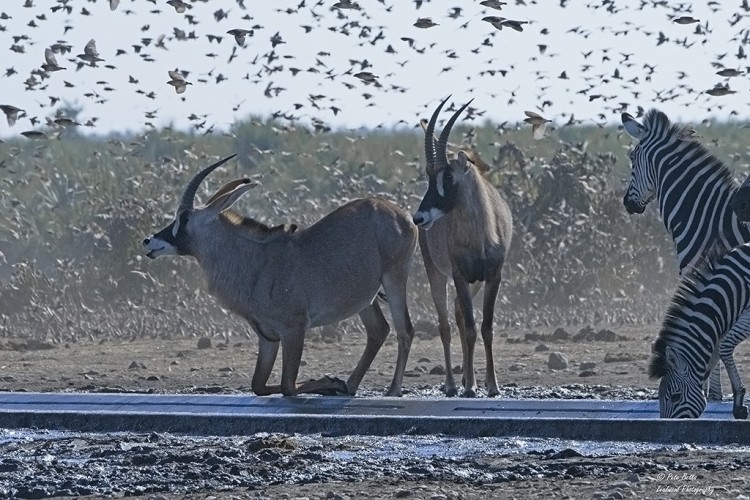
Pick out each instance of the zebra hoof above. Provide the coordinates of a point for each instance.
(740, 413)
(715, 397)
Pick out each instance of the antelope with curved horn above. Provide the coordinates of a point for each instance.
(465, 232)
(285, 280)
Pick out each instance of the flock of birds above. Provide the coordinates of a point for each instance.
(285, 54)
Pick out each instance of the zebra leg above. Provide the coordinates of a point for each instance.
(739, 332)
(715, 392)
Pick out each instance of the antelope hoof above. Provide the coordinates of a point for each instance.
(394, 393)
(332, 386)
(450, 390)
(493, 392)
(740, 413)
(469, 393)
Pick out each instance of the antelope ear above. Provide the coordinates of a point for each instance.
(632, 127)
(675, 362)
(463, 161)
(226, 200)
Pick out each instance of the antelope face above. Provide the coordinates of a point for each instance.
(172, 240)
(440, 198)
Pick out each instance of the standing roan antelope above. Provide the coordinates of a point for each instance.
(465, 232)
(285, 280)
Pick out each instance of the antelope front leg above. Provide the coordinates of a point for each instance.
(267, 351)
(292, 342)
(488, 311)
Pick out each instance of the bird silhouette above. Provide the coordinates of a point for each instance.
(12, 113)
(50, 63)
(538, 124)
(177, 80)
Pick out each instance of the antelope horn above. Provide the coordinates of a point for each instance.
(429, 141)
(188, 197)
(442, 143)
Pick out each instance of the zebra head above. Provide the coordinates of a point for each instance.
(642, 187)
(681, 393)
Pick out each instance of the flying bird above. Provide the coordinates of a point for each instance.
(493, 4)
(90, 53)
(538, 124)
(366, 77)
(12, 113)
(179, 5)
(177, 80)
(729, 72)
(50, 63)
(720, 90)
(686, 20)
(239, 35)
(346, 4)
(499, 22)
(34, 134)
(425, 22)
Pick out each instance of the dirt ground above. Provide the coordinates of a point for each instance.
(600, 364)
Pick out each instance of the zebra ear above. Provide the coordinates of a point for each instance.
(675, 361)
(632, 127)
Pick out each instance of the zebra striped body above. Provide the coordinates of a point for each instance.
(693, 190)
(710, 300)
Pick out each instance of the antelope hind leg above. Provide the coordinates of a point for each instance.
(468, 331)
(395, 289)
(490, 295)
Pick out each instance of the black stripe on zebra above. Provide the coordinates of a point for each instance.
(709, 301)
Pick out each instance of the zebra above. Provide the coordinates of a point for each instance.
(711, 298)
(693, 189)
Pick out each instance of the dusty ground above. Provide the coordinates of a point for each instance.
(603, 365)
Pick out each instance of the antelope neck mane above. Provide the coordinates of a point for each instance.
(253, 228)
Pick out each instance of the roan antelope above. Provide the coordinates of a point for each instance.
(284, 280)
(465, 232)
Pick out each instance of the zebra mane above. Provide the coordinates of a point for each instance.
(691, 284)
(655, 119)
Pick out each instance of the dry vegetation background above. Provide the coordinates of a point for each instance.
(73, 213)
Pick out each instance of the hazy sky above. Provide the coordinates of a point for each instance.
(506, 72)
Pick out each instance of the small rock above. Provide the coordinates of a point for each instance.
(204, 343)
(437, 370)
(516, 367)
(587, 373)
(587, 365)
(226, 369)
(557, 361)
(620, 357)
(541, 348)
(633, 478)
(560, 334)
(402, 494)
(333, 496)
(457, 370)
(606, 335)
(153, 378)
